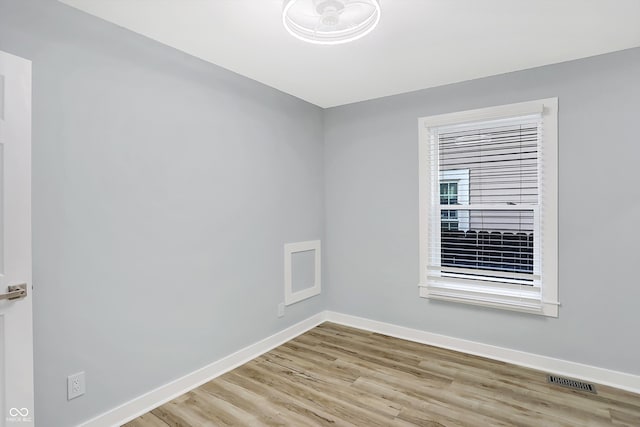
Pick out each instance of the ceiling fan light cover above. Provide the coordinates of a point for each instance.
(330, 21)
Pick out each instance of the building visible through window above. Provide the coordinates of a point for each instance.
(449, 196)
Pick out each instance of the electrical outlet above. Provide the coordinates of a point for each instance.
(75, 385)
(281, 309)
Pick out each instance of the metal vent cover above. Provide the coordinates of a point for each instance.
(573, 384)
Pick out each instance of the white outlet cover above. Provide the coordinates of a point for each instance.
(75, 385)
(281, 309)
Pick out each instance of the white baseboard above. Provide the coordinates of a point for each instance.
(575, 370)
(142, 404)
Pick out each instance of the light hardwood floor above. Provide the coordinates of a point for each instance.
(340, 376)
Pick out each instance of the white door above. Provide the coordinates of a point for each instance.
(16, 329)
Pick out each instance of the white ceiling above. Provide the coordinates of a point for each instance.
(418, 43)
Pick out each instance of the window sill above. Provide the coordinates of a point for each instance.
(528, 304)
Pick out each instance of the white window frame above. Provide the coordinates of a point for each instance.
(540, 299)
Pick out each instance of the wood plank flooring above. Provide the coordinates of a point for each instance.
(339, 376)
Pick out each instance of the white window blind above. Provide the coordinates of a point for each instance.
(487, 247)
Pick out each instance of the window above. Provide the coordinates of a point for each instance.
(454, 190)
(488, 207)
(449, 196)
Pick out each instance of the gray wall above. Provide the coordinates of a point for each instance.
(157, 178)
(164, 189)
(371, 188)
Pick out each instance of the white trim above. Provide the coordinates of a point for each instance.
(424, 193)
(485, 299)
(490, 113)
(545, 217)
(548, 237)
(148, 401)
(291, 297)
(567, 368)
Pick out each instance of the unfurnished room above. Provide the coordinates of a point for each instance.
(319, 213)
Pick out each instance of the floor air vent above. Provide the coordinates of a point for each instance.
(569, 383)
